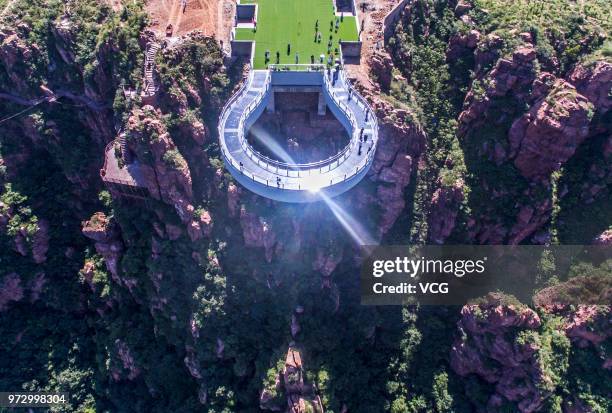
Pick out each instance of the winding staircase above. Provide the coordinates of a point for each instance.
(150, 86)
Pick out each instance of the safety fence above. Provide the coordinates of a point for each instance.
(281, 171)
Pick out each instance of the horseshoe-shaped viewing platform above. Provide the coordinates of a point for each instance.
(298, 182)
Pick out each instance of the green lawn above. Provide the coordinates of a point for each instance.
(283, 22)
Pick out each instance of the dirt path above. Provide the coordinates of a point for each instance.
(211, 17)
(174, 18)
(372, 37)
(225, 20)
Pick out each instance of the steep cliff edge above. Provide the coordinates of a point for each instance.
(526, 354)
(511, 113)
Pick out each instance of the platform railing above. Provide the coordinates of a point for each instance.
(275, 166)
(310, 67)
(232, 99)
(288, 184)
(286, 170)
(372, 118)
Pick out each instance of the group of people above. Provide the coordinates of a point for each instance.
(330, 43)
(318, 38)
(267, 57)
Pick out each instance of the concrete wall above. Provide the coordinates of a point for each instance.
(297, 89)
(392, 18)
(351, 49)
(242, 48)
(296, 78)
(245, 11)
(352, 4)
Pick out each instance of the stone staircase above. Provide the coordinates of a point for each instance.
(125, 151)
(150, 86)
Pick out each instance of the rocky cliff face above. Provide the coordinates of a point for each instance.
(508, 345)
(528, 107)
(401, 143)
(29, 239)
(562, 115)
(547, 136)
(199, 283)
(509, 77)
(484, 349)
(107, 237)
(592, 82)
(31, 82)
(11, 290)
(444, 202)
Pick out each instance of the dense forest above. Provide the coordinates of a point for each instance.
(189, 299)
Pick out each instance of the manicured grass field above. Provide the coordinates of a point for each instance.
(284, 22)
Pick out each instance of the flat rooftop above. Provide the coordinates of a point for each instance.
(293, 22)
(130, 175)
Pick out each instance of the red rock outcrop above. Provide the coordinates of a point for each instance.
(547, 136)
(325, 262)
(11, 290)
(13, 53)
(508, 77)
(233, 199)
(589, 325)
(168, 177)
(443, 210)
(484, 349)
(381, 66)
(27, 241)
(196, 130)
(390, 193)
(487, 52)
(462, 7)
(540, 141)
(104, 231)
(401, 143)
(594, 83)
(192, 364)
(494, 343)
(257, 233)
(586, 325)
(40, 242)
(200, 226)
(529, 219)
(462, 43)
(127, 362)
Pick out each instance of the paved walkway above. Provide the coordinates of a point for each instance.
(277, 180)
